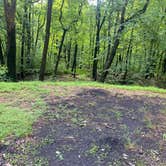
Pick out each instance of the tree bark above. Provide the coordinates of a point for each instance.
(74, 66)
(117, 38)
(115, 46)
(109, 36)
(99, 24)
(10, 10)
(59, 52)
(28, 31)
(46, 43)
(39, 28)
(68, 54)
(23, 42)
(128, 54)
(2, 62)
(96, 51)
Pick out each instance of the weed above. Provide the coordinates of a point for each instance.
(148, 122)
(164, 136)
(118, 115)
(93, 149)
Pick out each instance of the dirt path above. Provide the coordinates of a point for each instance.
(95, 127)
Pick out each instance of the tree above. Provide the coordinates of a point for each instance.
(46, 43)
(99, 23)
(116, 43)
(65, 29)
(10, 10)
(1, 54)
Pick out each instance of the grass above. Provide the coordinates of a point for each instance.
(105, 85)
(35, 85)
(22, 105)
(17, 119)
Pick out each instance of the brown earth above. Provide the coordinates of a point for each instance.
(95, 127)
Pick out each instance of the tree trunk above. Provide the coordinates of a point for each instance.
(59, 52)
(128, 54)
(97, 41)
(75, 60)
(2, 62)
(114, 48)
(28, 31)
(10, 10)
(46, 43)
(68, 54)
(117, 37)
(109, 38)
(96, 51)
(23, 42)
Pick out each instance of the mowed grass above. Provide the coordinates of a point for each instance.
(15, 121)
(36, 86)
(21, 104)
(24, 102)
(109, 86)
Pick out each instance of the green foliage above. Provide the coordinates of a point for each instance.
(3, 73)
(140, 57)
(93, 149)
(164, 136)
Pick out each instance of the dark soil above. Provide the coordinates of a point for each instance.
(95, 128)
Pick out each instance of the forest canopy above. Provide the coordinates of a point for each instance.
(116, 41)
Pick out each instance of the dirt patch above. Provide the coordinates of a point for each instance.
(4, 100)
(95, 127)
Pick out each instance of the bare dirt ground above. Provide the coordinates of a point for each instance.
(94, 127)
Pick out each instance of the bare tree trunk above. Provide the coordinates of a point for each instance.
(99, 24)
(128, 54)
(74, 66)
(96, 51)
(109, 37)
(46, 43)
(23, 42)
(28, 31)
(62, 39)
(68, 54)
(39, 27)
(2, 62)
(59, 52)
(10, 10)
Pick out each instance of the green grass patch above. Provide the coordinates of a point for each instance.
(36, 86)
(15, 121)
(18, 121)
(23, 105)
(105, 85)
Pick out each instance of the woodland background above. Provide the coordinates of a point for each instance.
(117, 41)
